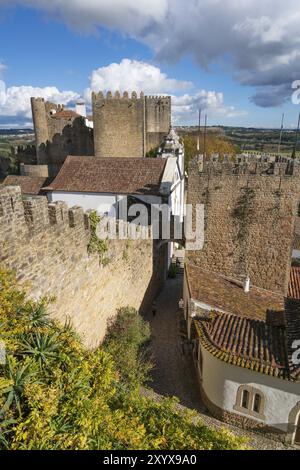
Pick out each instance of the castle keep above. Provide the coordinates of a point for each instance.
(250, 211)
(129, 126)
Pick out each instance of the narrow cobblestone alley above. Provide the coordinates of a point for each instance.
(174, 373)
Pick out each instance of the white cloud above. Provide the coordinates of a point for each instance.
(185, 108)
(128, 75)
(130, 16)
(261, 37)
(132, 75)
(15, 101)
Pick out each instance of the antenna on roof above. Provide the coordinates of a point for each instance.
(204, 139)
(281, 132)
(296, 141)
(199, 131)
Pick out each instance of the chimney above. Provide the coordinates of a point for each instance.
(80, 108)
(247, 285)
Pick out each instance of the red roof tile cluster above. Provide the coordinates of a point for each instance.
(251, 344)
(65, 114)
(294, 285)
(30, 185)
(254, 330)
(229, 296)
(110, 175)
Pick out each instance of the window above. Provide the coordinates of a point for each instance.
(250, 401)
(257, 403)
(245, 399)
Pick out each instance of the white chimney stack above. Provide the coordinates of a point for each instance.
(247, 285)
(81, 108)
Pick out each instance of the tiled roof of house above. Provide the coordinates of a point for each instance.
(254, 330)
(229, 296)
(30, 185)
(294, 285)
(251, 344)
(65, 114)
(110, 175)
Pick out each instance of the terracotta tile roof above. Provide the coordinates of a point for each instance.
(294, 285)
(30, 185)
(229, 296)
(65, 114)
(110, 175)
(251, 344)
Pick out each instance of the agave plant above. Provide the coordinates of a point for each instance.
(5, 430)
(39, 316)
(17, 377)
(43, 347)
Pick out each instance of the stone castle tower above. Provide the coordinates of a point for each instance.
(129, 126)
(59, 132)
(121, 126)
(250, 210)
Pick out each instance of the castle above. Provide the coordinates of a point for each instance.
(120, 126)
(42, 239)
(240, 306)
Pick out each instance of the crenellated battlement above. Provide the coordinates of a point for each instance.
(251, 167)
(250, 207)
(117, 95)
(100, 96)
(33, 215)
(158, 100)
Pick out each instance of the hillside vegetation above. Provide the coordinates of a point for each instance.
(55, 394)
(214, 144)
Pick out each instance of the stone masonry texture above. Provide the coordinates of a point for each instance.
(58, 138)
(46, 245)
(249, 220)
(129, 126)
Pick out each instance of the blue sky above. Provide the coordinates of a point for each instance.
(237, 63)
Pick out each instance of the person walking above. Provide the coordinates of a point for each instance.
(154, 308)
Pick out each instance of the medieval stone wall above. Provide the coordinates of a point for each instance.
(46, 245)
(250, 212)
(58, 138)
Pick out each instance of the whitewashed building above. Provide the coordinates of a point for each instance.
(246, 351)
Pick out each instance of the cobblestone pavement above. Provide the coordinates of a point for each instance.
(174, 374)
